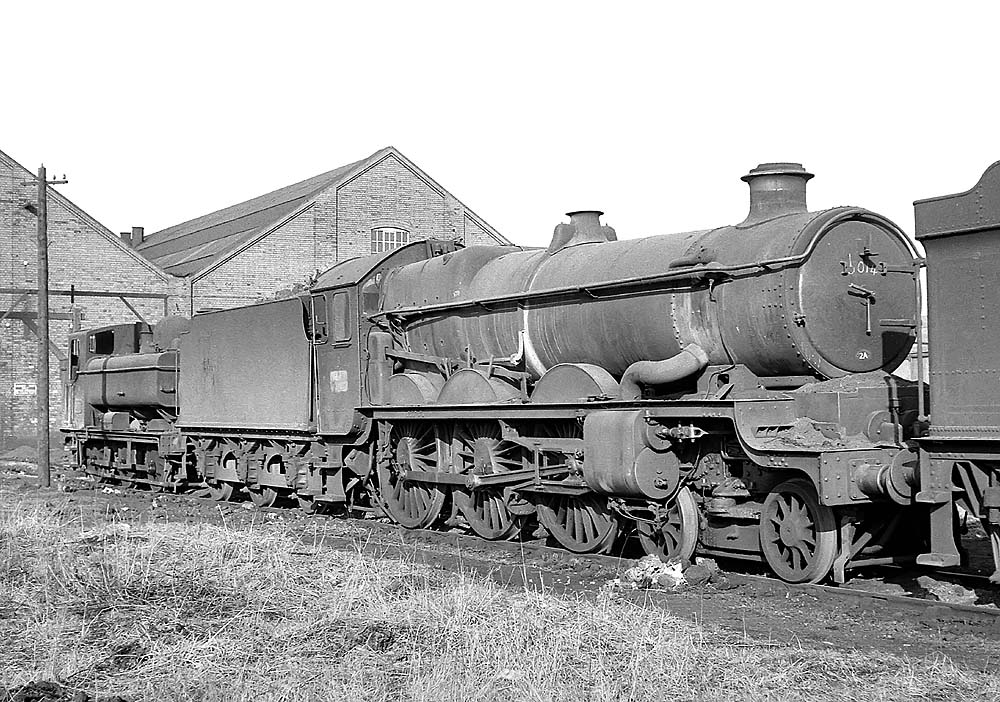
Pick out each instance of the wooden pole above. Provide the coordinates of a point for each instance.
(42, 389)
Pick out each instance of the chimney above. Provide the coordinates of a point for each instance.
(126, 237)
(138, 234)
(584, 227)
(776, 189)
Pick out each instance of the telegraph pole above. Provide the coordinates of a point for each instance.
(42, 389)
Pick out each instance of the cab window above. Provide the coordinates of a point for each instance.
(341, 317)
(102, 343)
(318, 332)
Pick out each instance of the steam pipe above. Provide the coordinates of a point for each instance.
(688, 362)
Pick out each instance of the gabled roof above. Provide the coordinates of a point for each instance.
(191, 247)
(99, 228)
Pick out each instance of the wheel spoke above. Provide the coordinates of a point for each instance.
(673, 532)
(412, 446)
(797, 559)
(479, 448)
(581, 524)
(797, 534)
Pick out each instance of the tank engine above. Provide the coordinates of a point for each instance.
(726, 390)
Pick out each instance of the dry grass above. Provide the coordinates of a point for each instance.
(184, 612)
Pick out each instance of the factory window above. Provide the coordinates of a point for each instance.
(388, 238)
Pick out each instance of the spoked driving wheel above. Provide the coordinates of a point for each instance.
(798, 535)
(673, 533)
(479, 449)
(413, 446)
(580, 523)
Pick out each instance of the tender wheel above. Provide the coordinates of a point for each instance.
(479, 449)
(226, 490)
(798, 535)
(581, 524)
(155, 469)
(262, 495)
(221, 491)
(674, 533)
(413, 446)
(308, 504)
(273, 469)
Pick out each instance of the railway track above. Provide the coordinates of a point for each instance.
(534, 562)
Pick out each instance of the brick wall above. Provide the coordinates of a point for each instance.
(287, 256)
(81, 253)
(390, 194)
(337, 226)
(475, 233)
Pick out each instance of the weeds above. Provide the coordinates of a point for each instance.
(196, 612)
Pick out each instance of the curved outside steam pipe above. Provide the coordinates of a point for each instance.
(688, 362)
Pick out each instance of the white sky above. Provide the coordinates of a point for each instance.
(648, 111)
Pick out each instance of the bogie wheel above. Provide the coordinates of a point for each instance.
(479, 449)
(673, 535)
(580, 523)
(412, 446)
(798, 535)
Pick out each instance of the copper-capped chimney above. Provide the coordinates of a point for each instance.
(584, 227)
(776, 189)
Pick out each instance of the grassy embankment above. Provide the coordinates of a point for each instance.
(186, 612)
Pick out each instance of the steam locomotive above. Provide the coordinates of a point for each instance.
(727, 392)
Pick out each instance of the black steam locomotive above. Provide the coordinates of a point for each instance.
(726, 392)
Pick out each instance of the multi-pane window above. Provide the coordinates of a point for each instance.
(388, 238)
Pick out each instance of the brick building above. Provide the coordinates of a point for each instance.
(234, 256)
(256, 248)
(111, 282)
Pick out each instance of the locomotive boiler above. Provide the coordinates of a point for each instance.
(725, 391)
(785, 293)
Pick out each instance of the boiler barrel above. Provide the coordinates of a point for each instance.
(786, 292)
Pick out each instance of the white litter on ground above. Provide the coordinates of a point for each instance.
(650, 572)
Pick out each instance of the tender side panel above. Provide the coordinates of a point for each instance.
(961, 235)
(964, 319)
(247, 367)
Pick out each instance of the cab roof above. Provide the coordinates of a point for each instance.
(354, 270)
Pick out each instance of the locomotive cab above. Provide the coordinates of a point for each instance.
(91, 346)
(348, 349)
